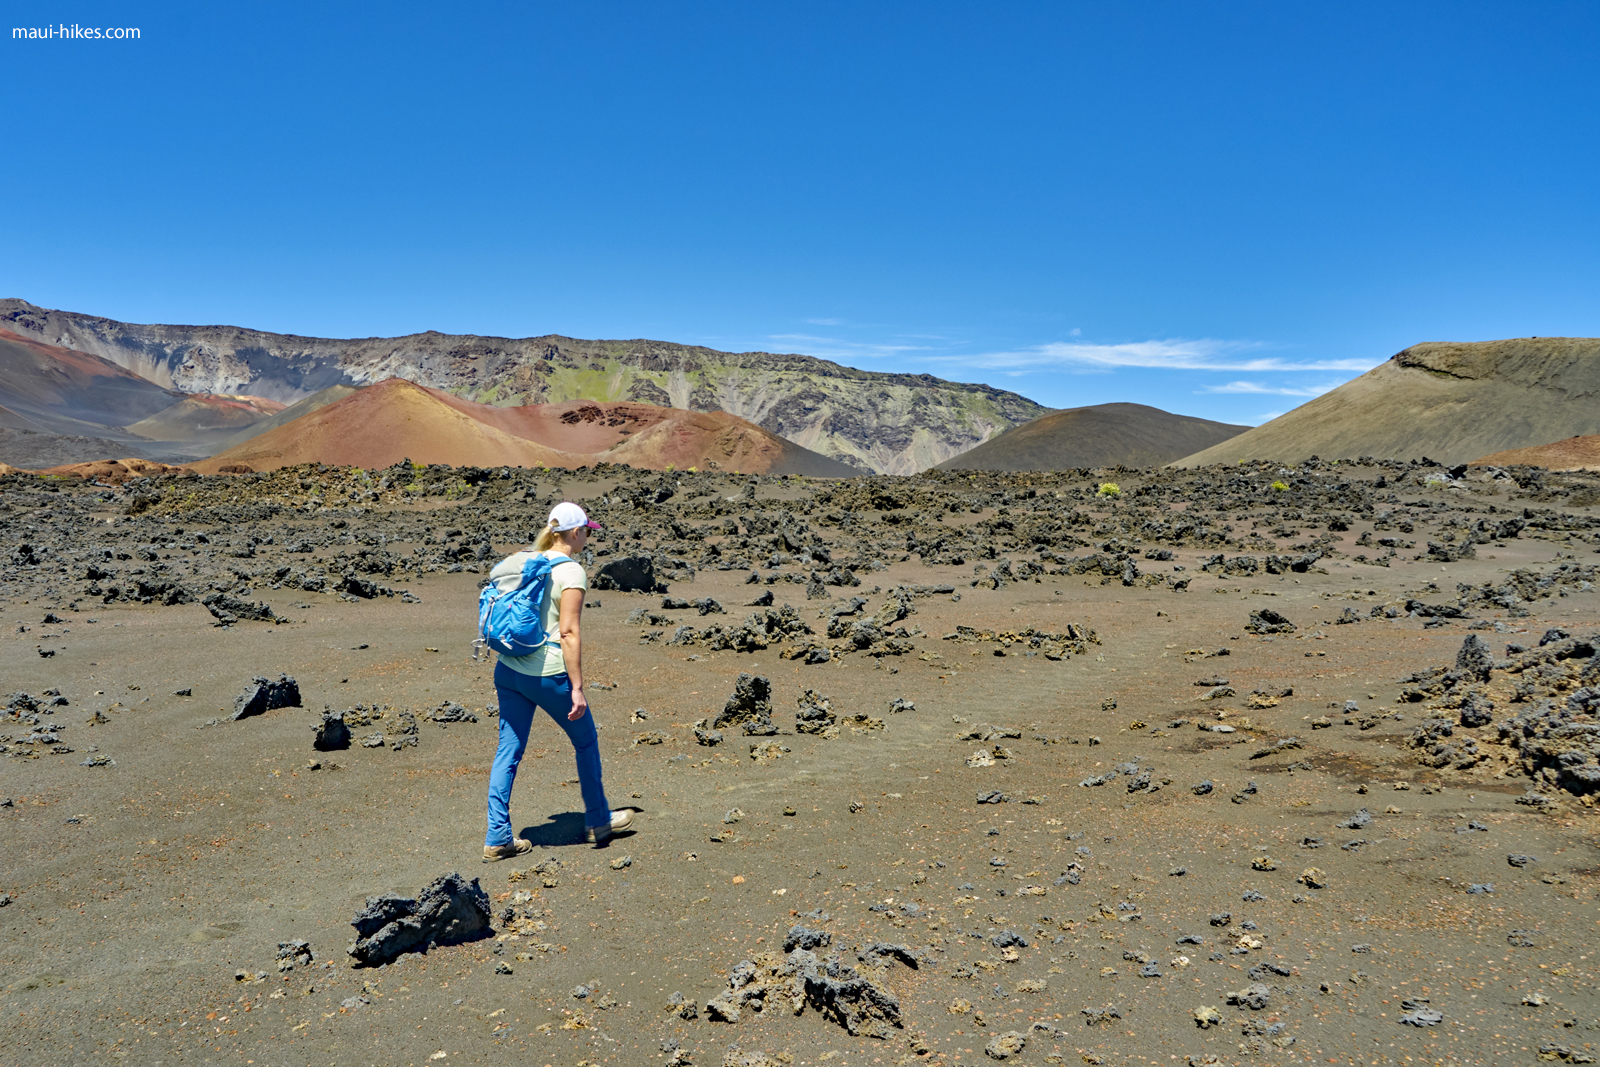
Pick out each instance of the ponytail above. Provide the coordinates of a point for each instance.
(546, 539)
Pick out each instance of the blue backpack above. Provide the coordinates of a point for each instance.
(509, 622)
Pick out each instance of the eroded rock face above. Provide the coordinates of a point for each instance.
(265, 695)
(448, 911)
(1522, 361)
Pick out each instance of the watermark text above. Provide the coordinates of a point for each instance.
(74, 32)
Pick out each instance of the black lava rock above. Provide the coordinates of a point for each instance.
(448, 911)
(331, 733)
(265, 695)
(630, 574)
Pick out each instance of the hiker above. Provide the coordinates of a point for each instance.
(549, 677)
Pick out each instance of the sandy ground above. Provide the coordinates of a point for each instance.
(140, 890)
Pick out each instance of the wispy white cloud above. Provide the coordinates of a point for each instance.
(1273, 390)
(838, 348)
(1172, 354)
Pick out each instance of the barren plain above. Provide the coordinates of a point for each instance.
(1237, 764)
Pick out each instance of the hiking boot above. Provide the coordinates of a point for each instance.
(518, 846)
(620, 820)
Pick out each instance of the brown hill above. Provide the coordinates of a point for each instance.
(203, 416)
(1101, 435)
(331, 395)
(59, 390)
(398, 419)
(1448, 401)
(114, 471)
(1580, 453)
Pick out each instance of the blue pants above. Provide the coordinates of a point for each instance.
(519, 695)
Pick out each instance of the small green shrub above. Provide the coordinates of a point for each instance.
(1280, 487)
(1109, 490)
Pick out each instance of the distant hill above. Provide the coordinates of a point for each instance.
(1452, 402)
(1570, 454)
(206, 417)
(58, 390)
(113, 471)
(59, 405)
(1102, 435)
(33, 450)
(885, 423)
(331, 395)
(398, 419)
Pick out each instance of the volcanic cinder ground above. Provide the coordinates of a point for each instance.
(1140, 920)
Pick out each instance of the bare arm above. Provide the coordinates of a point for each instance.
(572, 648)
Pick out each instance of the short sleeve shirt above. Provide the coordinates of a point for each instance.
(546, 660)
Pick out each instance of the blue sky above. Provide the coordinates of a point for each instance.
(1219, 209)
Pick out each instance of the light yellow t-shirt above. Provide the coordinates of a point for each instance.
(546, 660)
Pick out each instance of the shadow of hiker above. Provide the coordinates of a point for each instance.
(567, 828)
(564, 828)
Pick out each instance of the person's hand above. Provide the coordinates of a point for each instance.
(580, 705)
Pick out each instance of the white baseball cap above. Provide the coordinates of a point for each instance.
(569, 516)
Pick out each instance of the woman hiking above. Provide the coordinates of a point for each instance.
(550, 677)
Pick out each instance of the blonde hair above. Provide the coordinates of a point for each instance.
(546, 539)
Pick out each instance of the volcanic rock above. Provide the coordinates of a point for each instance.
(265, 695)
(814, 715)
(1474, 659)
(749, 707)
(1004, 1046)
(630, 574)
(448, 911)
(1267, 621)
(331, 733)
